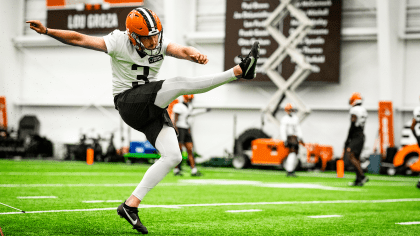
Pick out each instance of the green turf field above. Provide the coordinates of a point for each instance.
(73, 198)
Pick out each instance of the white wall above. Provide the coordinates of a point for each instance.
(61, 85)
(10, 60)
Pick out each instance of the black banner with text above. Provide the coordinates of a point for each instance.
(321, 47)
(83, 17)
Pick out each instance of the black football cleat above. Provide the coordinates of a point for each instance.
(363, 181)
(131, 215)
(355, 183)
(178, 173)
(197, 174)
(418, 184)
(249, 63)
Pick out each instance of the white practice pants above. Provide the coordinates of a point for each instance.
(167, 142)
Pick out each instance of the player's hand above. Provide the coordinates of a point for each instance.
(37, 26)
(199, 58)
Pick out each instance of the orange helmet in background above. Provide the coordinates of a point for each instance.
(289, 108)
(142, 22)
(355, 99)
(188, 98)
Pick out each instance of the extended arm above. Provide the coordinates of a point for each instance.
(70, 37)
(175, 121)
(186, 53)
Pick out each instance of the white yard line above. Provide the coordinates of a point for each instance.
(36, 197)
(333, 175)
(251, 171)
(409, 223)
(324, 216)
(262, 184)
(194, 183)
(239, 211)
(233, 204)
(64, 185)
(73, 173)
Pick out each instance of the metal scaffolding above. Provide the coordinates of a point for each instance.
(287, 47)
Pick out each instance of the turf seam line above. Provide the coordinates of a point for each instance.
(35, 197)
(324, 216)
(240, 211)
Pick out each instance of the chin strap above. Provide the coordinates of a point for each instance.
(141, 53)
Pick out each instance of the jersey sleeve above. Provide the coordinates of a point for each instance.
(165, 44)
(113, 42)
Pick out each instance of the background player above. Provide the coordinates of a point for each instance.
(141, 97)
(416, 119)
(291, 134)
(356, 138)
(182, 111)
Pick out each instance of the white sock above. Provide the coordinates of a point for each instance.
(194, 170)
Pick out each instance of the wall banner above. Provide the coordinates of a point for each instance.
(321, 47)
(89, 16)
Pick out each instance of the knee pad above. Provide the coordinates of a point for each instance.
(174, 158)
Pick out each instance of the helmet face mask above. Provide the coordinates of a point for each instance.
(142, 22)
(140, 46)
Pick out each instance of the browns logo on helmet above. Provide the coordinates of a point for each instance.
(355, 99)
(142, 22)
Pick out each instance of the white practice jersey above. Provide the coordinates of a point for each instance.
(183, 112)
(416, 114)
(127, 65)
(289, 125)
(361, 114)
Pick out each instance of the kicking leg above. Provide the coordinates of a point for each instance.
(174, 87)
(177, 86)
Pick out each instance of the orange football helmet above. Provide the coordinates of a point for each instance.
(142, 22)
(289, 108)
(355, 99)
(188, 98)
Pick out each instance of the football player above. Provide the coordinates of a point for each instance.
(182, 111)
(416, 119)
(356, 137)
(291, 133)
(140, 96)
